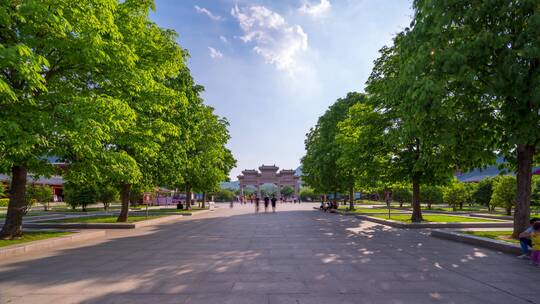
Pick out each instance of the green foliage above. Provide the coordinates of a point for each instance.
(504, 192)
(287, 191)
(2, 190)
(107, 195)
(431, 195)
(4, 202)
(455, 194)
(401, 194)
(80, 195)
(483, 192)
(535, 197)
(486, 58)
(41, 194)
(320, 166)
(224, 195)
(307, 194)
(361, 139)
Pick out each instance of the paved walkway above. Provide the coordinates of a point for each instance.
(297, 255)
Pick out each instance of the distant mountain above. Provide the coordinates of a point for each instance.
(234, 185)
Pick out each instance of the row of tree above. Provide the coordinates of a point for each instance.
(499, 191)
(456, 89)
(98, 85)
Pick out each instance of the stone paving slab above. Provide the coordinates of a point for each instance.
(296, 255)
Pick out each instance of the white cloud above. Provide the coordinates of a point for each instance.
(223, 38)
(315, 10)
(202, 10)
(275, 40)
(215, 54)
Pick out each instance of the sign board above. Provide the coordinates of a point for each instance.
(147, 198)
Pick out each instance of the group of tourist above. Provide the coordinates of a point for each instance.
(329, 206)
(267, 200)
(530, 242)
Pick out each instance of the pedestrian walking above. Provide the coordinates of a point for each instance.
(266, 202)
(274, 200)
(257, 204)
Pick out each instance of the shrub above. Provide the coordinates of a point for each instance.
(224, 195)
(401, 195)
(41, 194)
(308, 194)
(4, 202)
(80, 195)
(431, 195)
(106, 195)
(455, 194)
(482, 195)
(505, 193)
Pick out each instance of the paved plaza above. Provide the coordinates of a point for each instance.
(297, 255)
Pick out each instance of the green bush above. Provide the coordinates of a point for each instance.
(455, 194)
(41, 194)
(4, 202)
(224, 195)
(308, 194)
(482, 195)
(431, 195)
(505, 193)
(106, 195)
(401, 195)
(80, 195)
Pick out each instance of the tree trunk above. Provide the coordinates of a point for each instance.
(351, 198)
(124, 197)
(429, 205)
(400, 204)
(417, 211)
(525, 155)
(461, 206)
(509, 212)
(188, 198)
(17, 204)
(204, 200)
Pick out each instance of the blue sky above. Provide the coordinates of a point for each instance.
(273, 67)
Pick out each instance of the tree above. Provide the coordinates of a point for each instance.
(287, 191)
(209, 160)
(80, 195)
(429, 136)
(2, 190)
(536, 189)
(504, 193)
(224, 195)
(431, 195)
(54, 58)
(320, 165)
(401, 194)
(483, 193)
(41, 194)
(363, 148)
(308, 194)
(489, 51)
(106, 195)
(455, 194)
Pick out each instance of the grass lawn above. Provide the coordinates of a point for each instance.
(449, 209)
(33, 236)
(172, 210)
(89, 209)
(406, 218)
(367, 210)
(104, 219)
(496, 235)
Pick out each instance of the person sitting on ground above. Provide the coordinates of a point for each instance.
(525, 239)
(535, 238)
